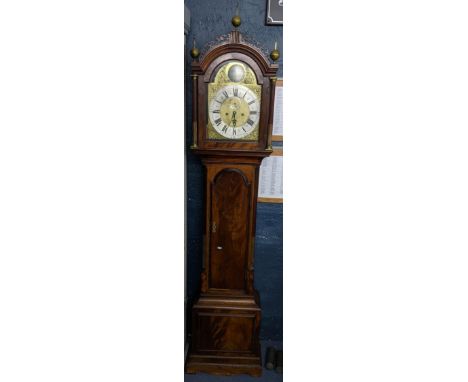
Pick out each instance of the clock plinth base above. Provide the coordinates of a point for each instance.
(224, 366)
(225, 336)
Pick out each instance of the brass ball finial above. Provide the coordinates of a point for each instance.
(194, 52)
(275, 54)
(236, 21)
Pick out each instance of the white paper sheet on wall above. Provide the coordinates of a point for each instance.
(271, 178)
(278, 114)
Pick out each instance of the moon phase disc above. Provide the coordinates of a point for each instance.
(236, 73)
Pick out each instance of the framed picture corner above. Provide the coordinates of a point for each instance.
(274, 12)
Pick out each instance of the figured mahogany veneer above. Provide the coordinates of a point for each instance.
(226, 316)
(226, 339)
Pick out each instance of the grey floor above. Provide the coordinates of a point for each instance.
(267, 375)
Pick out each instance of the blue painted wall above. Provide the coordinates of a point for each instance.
(209, 19)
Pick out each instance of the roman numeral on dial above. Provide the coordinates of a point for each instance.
(225, 93)
(218, 121)
(224, 129)
(236, 92)
(253, 112)
(250, 122)
(215, 111)
(251, 102)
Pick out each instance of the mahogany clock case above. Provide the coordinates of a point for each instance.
(226, 316)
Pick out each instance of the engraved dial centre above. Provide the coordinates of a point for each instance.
(234, 112)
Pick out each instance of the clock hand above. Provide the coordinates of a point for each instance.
(233, 116)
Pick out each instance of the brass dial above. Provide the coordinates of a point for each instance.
(234, 102)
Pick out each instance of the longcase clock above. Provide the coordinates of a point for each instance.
(233, 98)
